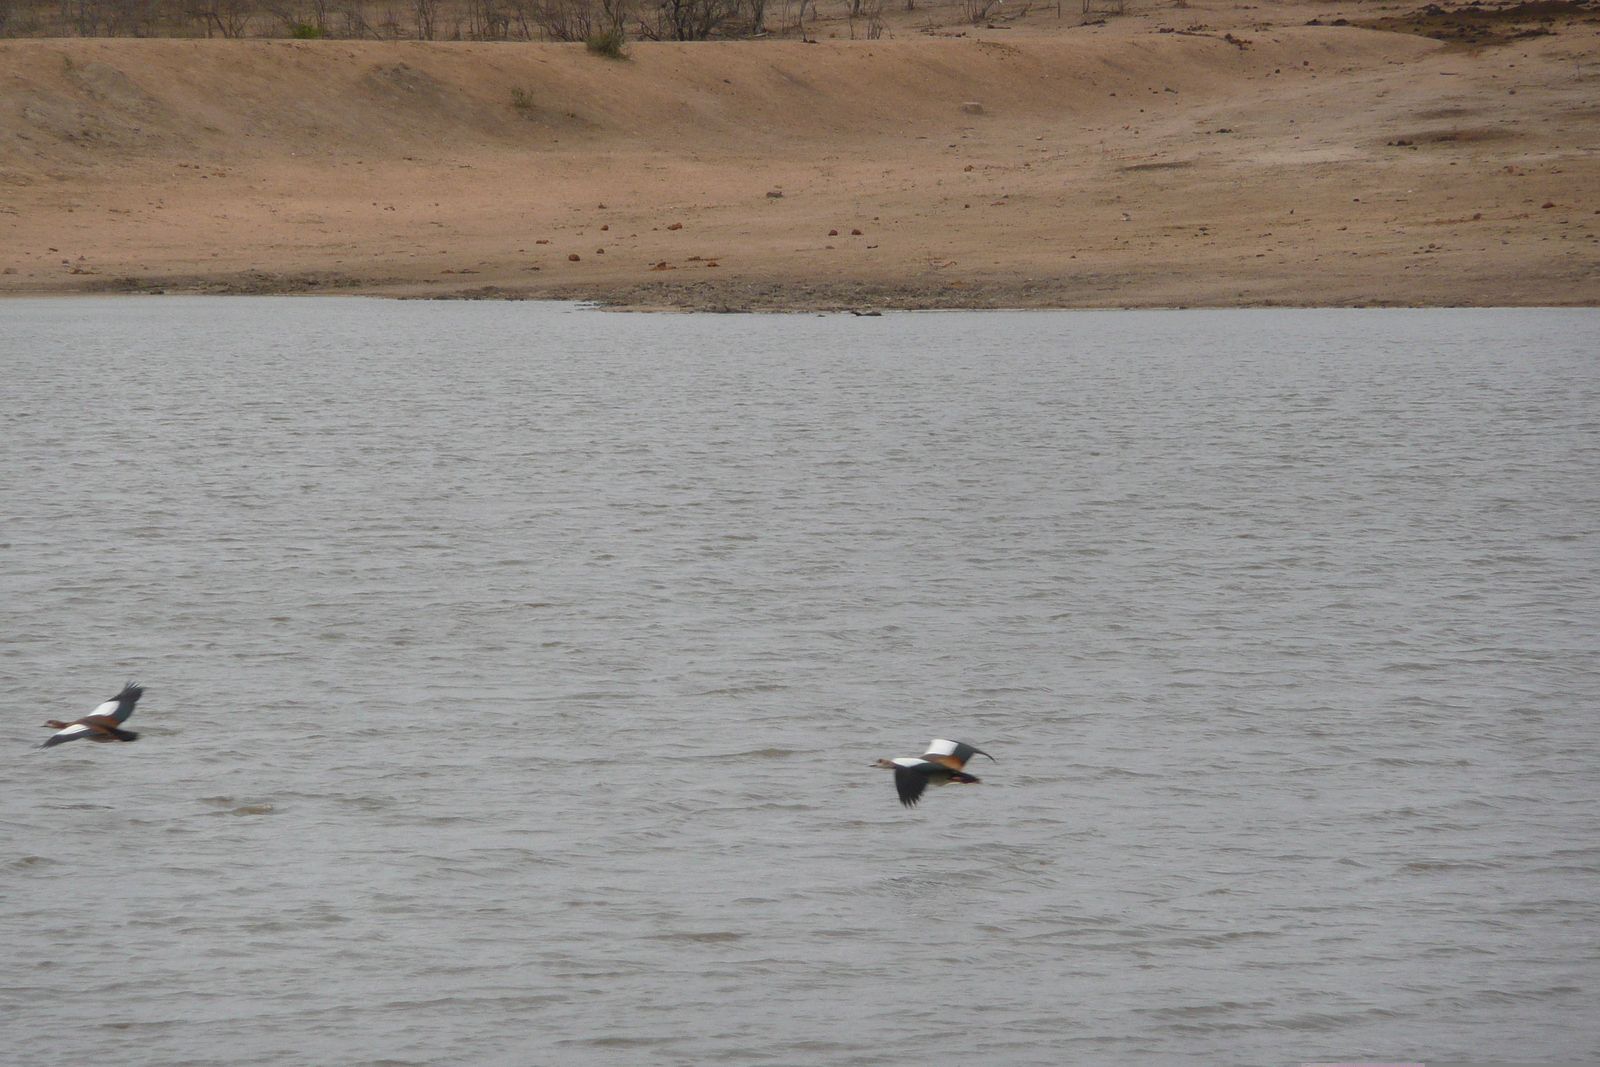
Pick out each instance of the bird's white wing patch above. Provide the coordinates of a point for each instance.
(108, 708)
(72, 731)
(940, 747)
(907, 761)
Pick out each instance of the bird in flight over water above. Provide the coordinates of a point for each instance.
(103, 724)
(940, 765)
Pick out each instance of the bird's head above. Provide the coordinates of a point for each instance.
(55, 724)
(886, 764)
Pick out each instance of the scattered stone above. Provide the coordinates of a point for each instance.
(855, 233)
(972, 107)
(676, 226)
(776, 194)
(573, 258)
(833, 233)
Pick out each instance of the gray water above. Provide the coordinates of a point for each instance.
(514, 672)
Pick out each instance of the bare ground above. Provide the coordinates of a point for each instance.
(1210, 155)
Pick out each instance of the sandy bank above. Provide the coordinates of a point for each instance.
(1149, 161)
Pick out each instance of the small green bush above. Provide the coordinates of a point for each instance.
(522, 100)
(304, 31)
(607, 43)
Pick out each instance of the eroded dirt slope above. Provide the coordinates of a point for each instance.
(1204, 156)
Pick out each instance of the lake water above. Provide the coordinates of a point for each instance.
(514, 672)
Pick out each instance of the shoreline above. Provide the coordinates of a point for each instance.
(629, 303)
(754, 298)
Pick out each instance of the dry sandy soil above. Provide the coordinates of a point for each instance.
(1208, 155)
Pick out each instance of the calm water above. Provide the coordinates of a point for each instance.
(514, 672)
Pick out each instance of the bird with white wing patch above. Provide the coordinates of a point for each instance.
(940, 765)
(102, 724)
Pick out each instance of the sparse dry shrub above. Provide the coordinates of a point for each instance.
(565, 20)
(226, 18)
(976, 11)
(426, 13)
(691, 20)
(607, 42)
(428, 20)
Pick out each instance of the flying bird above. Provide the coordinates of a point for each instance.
(103, 724)
(941, 765)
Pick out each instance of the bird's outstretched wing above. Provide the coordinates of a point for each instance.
(911, 781)
(70, 732)
(120, 706)
(953, 754)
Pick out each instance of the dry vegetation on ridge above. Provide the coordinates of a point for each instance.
(1208, 154)
(427, 20)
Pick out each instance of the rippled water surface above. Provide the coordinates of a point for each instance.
(514, 672)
